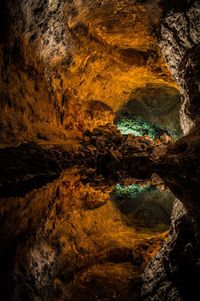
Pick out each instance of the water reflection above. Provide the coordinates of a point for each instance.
(144, 206)
(72, 242)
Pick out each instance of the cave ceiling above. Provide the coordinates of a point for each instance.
(60, 56)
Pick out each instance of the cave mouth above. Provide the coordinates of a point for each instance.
(144, 207)
(152, 110)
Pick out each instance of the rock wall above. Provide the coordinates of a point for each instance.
(180, 36)
(174, 273)
(60, 58)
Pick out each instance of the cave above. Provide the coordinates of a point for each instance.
(99, 150)
(152, 110)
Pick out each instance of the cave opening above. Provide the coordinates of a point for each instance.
(153, 110)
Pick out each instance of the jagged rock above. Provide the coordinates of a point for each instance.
(173, 274)
(67, 66)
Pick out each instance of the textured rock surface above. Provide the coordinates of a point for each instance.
(180, 36)
(59, 59)
(174, 272)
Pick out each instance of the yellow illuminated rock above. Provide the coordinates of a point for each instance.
(86, 51)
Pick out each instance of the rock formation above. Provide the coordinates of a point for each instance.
(70, 71)
(174, 273)
(66, 66)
